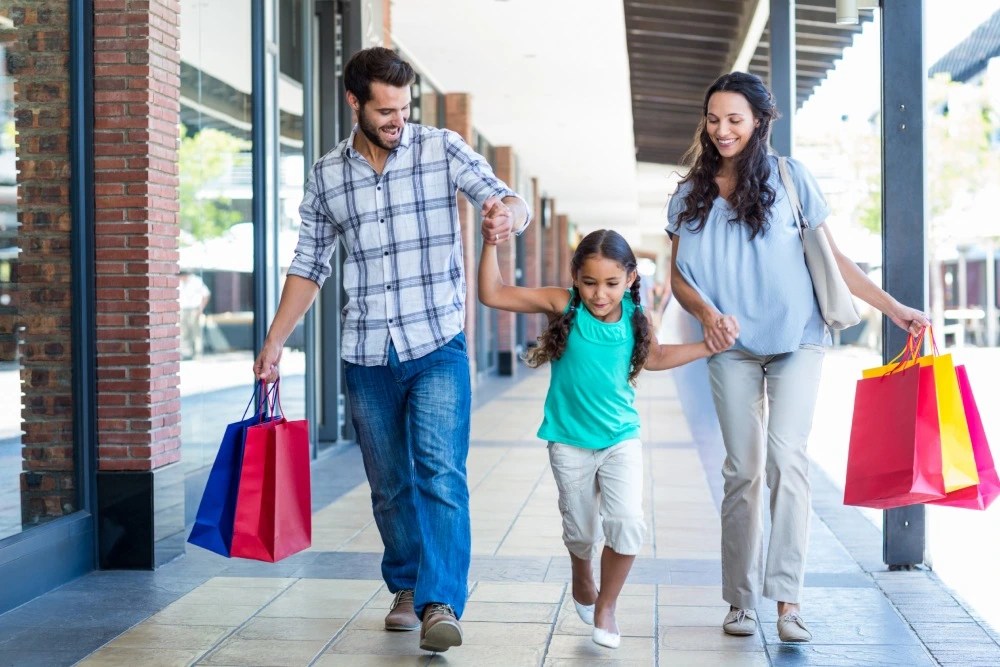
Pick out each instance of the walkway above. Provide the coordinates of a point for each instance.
(325, 606)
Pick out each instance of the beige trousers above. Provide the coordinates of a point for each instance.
(600, 497)
(765, 407)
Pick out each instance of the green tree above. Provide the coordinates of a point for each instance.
(205, 157)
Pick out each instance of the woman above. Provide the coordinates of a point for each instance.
(738, 267)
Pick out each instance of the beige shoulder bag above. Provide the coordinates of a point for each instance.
(836, 304)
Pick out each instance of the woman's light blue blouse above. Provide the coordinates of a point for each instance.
(763, 282)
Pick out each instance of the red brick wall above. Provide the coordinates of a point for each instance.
(551, 274)
(458, 117)
(506, 321)
(533, 258)
(137, 89)
(38, 61)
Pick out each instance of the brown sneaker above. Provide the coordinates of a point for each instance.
(440, 630)
(401, 616)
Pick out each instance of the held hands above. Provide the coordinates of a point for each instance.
(721, 332)
(498, 224)
(909, 319)
(266, 366)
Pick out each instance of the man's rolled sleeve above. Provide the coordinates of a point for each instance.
(472, 174)
(317, 239)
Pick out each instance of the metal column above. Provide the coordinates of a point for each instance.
(783, 72)
(264, 149)
(904, 214)
(338, 35)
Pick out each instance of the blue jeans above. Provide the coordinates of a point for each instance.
(412, 421)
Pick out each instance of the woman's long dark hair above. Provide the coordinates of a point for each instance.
(752, 197)
(610, 245)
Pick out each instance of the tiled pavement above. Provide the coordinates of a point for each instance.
(325, 606)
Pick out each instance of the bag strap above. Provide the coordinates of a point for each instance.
(793, 195)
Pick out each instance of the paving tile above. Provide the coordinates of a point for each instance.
(356, 660)
(147, 657)
(531, 635)
(510, 612)
(199, 614)
(512, 592)
(160, 635)
(704, 616)
(271, 652)
(953, 633)
(712, 658)
(595, 662)
(38, 657)
(706, 639)
(377, 642)
(583, 649)
(788, 655)
(291, 628)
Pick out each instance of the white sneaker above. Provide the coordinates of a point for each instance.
(740, 622)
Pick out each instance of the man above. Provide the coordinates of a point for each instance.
(388, 191)
(193, 295)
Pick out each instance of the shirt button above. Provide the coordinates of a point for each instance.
(390, 320)
(381, 219)
(388, 286)
(379, 187)
(386, 253)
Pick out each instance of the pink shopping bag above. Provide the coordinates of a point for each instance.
(980, 496)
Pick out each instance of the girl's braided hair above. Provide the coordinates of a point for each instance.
(610, 245)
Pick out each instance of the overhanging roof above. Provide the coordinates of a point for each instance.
(676, 48)
(973, 54)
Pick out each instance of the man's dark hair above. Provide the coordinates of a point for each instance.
(375, 64)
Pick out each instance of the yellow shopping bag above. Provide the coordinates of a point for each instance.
(958, 462)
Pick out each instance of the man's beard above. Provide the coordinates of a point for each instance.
(371, 133)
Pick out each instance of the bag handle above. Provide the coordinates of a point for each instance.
(276, 409)
(261, 394)
(912, 350)
(792, 193)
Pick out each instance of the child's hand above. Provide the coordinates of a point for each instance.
(497, 221)
(721, 333)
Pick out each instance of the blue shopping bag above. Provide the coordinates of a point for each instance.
(213, 525)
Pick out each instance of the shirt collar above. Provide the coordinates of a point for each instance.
(404, 141)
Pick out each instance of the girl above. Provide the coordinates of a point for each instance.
(736, 250)
(598, 340)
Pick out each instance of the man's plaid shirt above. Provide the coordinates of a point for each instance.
(403, 273)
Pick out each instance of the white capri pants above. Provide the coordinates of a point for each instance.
(765, 407)
(600, 497)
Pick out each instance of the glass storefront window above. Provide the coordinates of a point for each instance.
(291, 185)
(216, 220)
(37, 453)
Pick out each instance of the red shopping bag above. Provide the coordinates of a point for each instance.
(980, 496)
(895, 449)
(273, 509)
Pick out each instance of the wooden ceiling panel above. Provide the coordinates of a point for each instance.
(677, 48)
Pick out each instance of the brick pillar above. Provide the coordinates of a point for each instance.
(533, 260)
(137, 109)
(550, 262)
(507, 256)
(458, 117)
(36, 328)
(561, 225)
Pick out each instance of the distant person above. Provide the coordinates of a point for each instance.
(194, 296)
(598, 340)
(737, 255)
(388, 191)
